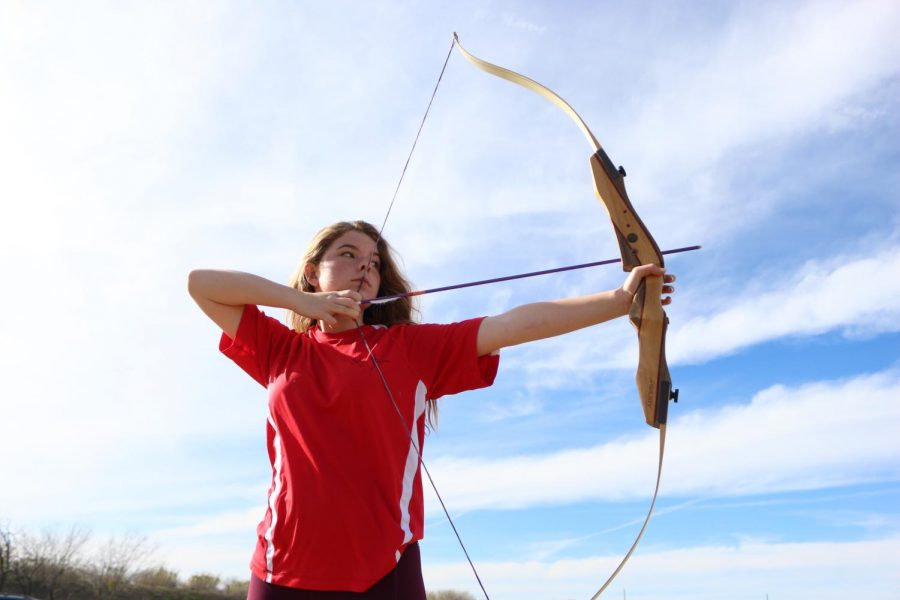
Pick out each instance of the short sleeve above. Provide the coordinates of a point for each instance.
(260, 345)
(446, 357)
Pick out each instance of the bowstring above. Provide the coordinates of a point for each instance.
(415, 141)
(371, 353)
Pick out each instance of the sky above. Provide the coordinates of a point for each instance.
(141, 140)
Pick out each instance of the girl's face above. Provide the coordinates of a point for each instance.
(351, 262)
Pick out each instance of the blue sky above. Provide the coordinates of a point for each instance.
(141, 140)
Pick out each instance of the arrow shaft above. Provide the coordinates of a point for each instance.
(599, 263)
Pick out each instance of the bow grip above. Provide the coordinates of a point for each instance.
(653, 380)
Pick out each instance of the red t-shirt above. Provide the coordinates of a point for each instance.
(346, 492)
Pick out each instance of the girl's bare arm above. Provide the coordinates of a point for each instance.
(541, 320)
(223, 294)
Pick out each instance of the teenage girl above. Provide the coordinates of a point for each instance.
(350, 387)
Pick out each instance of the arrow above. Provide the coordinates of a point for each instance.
(611, 261)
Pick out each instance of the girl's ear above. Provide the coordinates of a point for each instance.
(311, 273)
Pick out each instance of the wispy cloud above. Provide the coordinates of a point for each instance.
(762, 77)
(857, 296)
(518, 22)
(227, 522)
(815, 436)
(807, 571)
(853, 295)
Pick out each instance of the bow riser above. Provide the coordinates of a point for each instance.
(635, 242)
(647, 315)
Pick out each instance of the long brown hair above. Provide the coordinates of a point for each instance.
(392, 280)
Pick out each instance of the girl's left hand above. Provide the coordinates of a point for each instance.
(636, 276)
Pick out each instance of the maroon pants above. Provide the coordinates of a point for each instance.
(403, 582)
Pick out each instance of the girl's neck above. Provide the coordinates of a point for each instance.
(343, 324)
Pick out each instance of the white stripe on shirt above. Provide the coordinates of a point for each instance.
(273, 499)
(412, 465)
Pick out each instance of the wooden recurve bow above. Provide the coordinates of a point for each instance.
(637, 247)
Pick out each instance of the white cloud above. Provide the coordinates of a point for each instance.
(856, 296)
(767, 74)
(814, 436)
(805, 571)
(853, 295)
(227, 522)
(761, 81)
(518, 22)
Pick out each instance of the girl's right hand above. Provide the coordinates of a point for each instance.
(328, 307)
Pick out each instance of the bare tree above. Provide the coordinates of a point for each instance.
(156, 578)
(42, 562)
(6, 554)
(204, 582)
(115, 563)
(54, 567)
(234, 588)
(449, 595)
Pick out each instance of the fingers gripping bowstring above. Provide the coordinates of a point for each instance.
(387, 388)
